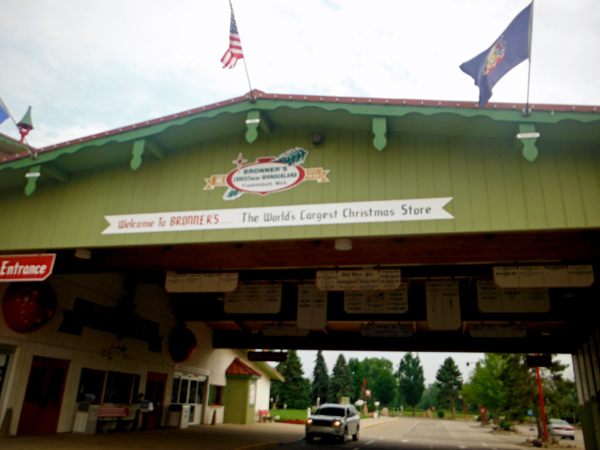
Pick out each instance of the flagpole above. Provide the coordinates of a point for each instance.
(252, 99)
(527, 111)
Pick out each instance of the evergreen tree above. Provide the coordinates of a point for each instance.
(411, 380)
(340, 384)
(449, 380)
(320, 384)
(295, 390)
(430, 397)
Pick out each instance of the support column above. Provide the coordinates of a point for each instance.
(585, 364)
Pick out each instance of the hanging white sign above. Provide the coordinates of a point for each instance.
(282, 216)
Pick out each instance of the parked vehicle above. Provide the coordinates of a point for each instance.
(561, 428)
(333, 420)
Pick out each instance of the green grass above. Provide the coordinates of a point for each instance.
(289, 414)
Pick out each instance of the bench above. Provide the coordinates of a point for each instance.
(111, 417)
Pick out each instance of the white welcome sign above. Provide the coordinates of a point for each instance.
(282, 216)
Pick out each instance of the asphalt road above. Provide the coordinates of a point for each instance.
(430, 434)
(383, 433)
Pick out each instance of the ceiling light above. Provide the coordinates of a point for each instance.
(83, 253)
(343, 244)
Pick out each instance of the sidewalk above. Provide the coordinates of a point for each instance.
(260, 436)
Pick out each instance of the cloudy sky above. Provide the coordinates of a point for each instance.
(91, 66)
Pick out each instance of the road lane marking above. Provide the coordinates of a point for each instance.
(484, 444)
(405, 440)
(410, 429)
(370, 442)
(379, 438)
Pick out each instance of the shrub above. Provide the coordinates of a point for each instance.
(441, 414)
(506, 425)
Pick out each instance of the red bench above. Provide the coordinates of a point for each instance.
(112, 412)
(113, 417)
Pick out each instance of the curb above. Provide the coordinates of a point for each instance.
(262, 446)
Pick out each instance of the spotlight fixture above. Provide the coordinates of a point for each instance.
(317, 138)
(343, 244)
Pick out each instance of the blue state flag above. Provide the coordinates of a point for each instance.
(3, 112)
(508, 51)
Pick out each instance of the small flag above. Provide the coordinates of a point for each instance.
(508, 51)
(234, 52)
(3, 112)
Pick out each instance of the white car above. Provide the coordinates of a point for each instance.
(334, 421)
(561, 428)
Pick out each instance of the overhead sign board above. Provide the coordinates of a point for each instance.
(268, 356)
(26, 267)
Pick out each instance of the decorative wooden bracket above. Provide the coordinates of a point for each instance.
(139, 147)
(379, 130)
(32, 177)
(255, 119)
(138, 151)
(35, 172)
(527, 135)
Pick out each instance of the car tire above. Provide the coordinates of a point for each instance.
(344, 436)
(355, 436)
(309, 439)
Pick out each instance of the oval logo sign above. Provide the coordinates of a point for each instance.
(265, 176)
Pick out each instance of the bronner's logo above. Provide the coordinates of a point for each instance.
(267, 175)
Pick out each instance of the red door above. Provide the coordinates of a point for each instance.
(43, 398)
(155, 392)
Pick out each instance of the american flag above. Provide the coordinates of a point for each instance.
(234, 52)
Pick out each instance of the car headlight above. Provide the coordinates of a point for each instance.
(337, 423)
(308, 421)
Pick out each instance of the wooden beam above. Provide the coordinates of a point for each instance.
(56, 172)
(156, 150)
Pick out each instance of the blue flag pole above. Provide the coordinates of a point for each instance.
(527, 111)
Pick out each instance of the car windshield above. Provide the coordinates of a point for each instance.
(331, 411)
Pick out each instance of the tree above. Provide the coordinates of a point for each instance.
(320, 384)
(376, 375)
(411, 380)
(385, 387)
(430, 397)
(449, 380)
(487, 387)
(295, 390)
(340, 384)
(505, 385)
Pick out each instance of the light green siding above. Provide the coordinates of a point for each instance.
(493, 188)
(237, 407)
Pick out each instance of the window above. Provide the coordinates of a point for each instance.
(188, 389)
(175, 391)
(183, 391)
(121, 387)
(91, 385)
(215, 395)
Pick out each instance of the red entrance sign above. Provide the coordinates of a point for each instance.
(26, 267)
